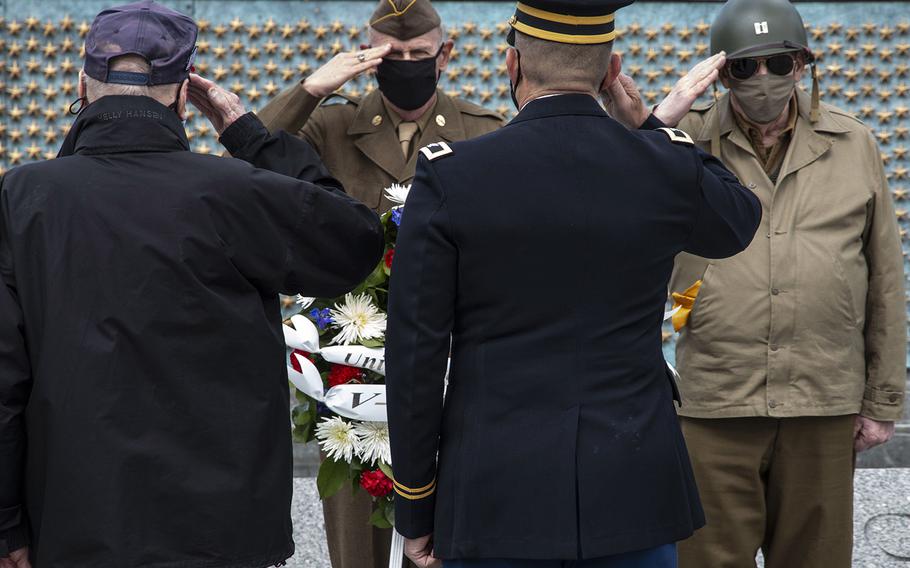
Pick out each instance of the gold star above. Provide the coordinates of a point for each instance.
(252, 52)
(236, 68)
(486, 34)
(834, 90)
(454, 54)
(869, 49)
(337, 27)
(502, 90)
(651, 56)
(868, 90)
(884, 137)
(486, 54)
(454, 33)
(32, 87)
(303, 47)
(252, 73)
(453, 73)
(219, 52)
(485, 74)
(702, 28)
(271, 88)
(818, 34)
(903, 28)
(50, 136)
(868, 70)
(701, 49)
(502, 109)
(286, 31)
(50, 50)
(337, 47)
(834, 48)
(651, 34)
(31, 23)
(50, 71)
(203, 25)
(15, 136)
(14, 49)
(834, 70)
(203, 149)
(869, 28)
(866, 111)
(684, 34)
(50, 93)
(835, 28)
(851, 54)
(270, 67)
(850, 96)
(453, 93)
(885, 95)
(49, 29)
(502, 48)
(900, 152)
(884, 76)
(237, 87)
(303, 69)
(502, 29)
(220, 30)
(901, 90)
(50, 114)
(885, 54)
(287, 53)
(900, 173)
(899, 194)
(320, 53)
(485, 96)
(320, 32)
(236, 25)
(469, 28)
(900, 132)
(885, 116)
(270, 26)
(31, 45)
(32, 65)
(651, 96)
(15, 93)
(83, 29)
(852, 34)
(33, 129)
(668, 28)
(668, 49)
(502, 70)
(469, 70)
(202, 67)
(353, 33)
(850, 75)
(885, 33)
(652, 76)
(303, 26)
(901, 112)
(253, 94)
(287, 74)
(635, 48)
(902, 49)
(219, 73)
(470, 48)
(253, 31)
(237, 46)
(468, 90)
(203, 46)
(15, 113)
(15, 157)
(14, 27)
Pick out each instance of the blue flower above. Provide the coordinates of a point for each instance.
(396, 216)
(323, 317)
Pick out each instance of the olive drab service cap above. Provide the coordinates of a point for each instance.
(584, 22)
(405, 19)
(754, 28)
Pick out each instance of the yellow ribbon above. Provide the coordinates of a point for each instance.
(684, 302)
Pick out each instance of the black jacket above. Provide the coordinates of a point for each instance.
(545, 249)
(143, 391)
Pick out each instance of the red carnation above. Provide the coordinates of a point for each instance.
(389, 255)
(294, 364)
(376, 483)
(342, 375)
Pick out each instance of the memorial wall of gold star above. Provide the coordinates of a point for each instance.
(258, 48)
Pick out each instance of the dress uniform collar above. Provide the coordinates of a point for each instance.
(374, 132)
(567, 104)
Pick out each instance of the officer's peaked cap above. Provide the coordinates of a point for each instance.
(567, 21)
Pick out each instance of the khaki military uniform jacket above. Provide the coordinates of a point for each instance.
(810, 319)
(358, 141)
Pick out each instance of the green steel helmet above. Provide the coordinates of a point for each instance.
(753, 28)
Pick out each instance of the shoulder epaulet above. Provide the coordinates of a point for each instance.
(677, 136)
(339, 98)
(703, 106)
(466, 107)
(436, 150)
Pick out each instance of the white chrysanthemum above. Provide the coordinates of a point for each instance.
(372, 442)
(359, 319)
(398, 193)
(336, 437)
(304, 302)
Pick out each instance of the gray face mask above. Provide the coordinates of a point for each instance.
(763, 97)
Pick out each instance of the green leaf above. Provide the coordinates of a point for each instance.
(331, 477)
(379, 518)
(372, 343)
(386, 469)
(388, 508)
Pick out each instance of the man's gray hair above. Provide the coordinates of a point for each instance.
(560, 65)
(95, 89)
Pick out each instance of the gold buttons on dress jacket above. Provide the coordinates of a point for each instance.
(440, 120)
(377, 120)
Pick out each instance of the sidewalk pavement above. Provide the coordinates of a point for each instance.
(881, 534)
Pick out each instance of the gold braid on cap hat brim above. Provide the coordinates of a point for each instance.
(563, 28)
(395, 12)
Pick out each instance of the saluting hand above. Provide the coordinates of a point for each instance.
(689, 88)
(420, 552)
(221, 107)
(16, 559)
(623, 101)
(342, 68)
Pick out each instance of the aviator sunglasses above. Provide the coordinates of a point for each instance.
(781, 64)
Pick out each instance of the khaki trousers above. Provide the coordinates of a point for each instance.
(353, 541)
(784, 486)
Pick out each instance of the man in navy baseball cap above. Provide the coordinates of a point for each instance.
(143, 380)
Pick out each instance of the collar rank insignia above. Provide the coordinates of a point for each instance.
(677, 136)
(436, 151)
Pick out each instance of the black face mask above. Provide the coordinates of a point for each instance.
(408, 84)
(514, 85)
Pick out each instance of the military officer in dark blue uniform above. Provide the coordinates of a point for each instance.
(540, 255)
